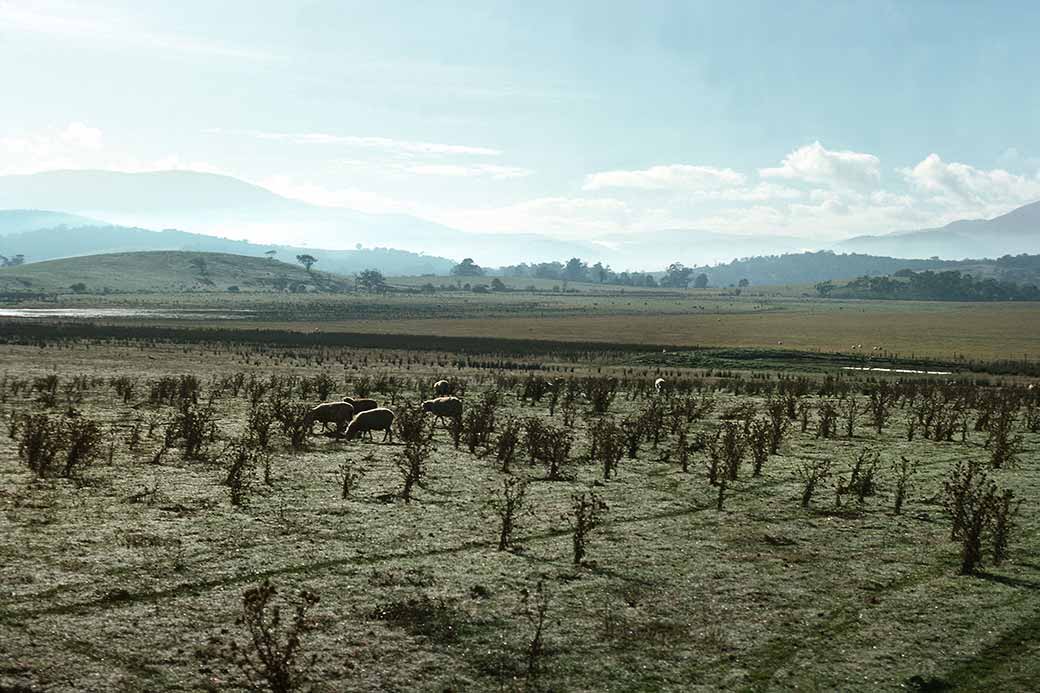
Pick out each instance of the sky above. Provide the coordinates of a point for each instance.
(574, 119)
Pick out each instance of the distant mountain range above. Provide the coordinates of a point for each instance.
(205, 205)
(1016, 232)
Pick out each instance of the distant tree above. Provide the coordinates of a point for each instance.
(233, 289)
(79, 288)
(701, 282)
(575, 270)
(600, 273)
(467, 268)
(677, 276)
(498, 285)
(306, 260)
(824, 289)
(270, 254)
(743, 282)
(371, 280)
(12, 261)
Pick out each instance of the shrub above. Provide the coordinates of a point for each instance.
(41, 440)
(902, 473)
(812, 474)
(862, 479)
(1004, 445)
(271, 657)
(292, 417)
(258, 425)
(828, 417)
(509, 506)
(242, 460)
(600, 392)
(83, 440)
(412, 465)
(196, 428)
(507, 443)
(606, 445)
(536, 611)
(758, 440)
(976, 508)
(349, 478)
(586, 511)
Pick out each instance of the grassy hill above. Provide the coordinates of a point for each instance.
(164, 271)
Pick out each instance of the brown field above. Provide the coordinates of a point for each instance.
(984, 331)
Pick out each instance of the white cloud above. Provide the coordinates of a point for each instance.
(350, 198)
(959, 185)
(381, 143)
(813, 163)
(80, 146)
(469, 171)
(563, 216)
(675, 177)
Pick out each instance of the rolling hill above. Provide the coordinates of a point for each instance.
(21, 220)
(65, 241)
(164, 271)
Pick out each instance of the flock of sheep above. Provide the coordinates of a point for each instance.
(353, 418)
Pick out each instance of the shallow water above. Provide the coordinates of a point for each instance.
(165, 313)
(895, 370)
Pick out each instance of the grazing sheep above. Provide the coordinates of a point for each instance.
(365, 422)
(444, 407)
(361, 405)
(659, 385)
(442, 388)
(339, 413)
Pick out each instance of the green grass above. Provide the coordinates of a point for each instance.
(104, 592)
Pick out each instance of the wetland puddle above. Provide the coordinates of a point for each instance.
(163, 313)
(895, 370)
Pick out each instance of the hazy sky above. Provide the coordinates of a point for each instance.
(820, 119)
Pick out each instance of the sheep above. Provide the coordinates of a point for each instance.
(361, 405)
(339, 413)
(442, 388)
(444, 407)
(659, 385)
(380, 419)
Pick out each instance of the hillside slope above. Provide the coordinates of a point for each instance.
(163, 271)
(62, 242)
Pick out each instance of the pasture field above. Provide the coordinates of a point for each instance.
(130, 573)
(757, 319)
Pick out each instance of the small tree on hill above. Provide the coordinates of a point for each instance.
(467, 268)
(371, 280)
(701, 282)
(677, 276)
(306, 260)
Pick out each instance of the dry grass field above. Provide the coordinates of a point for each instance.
(130, 574)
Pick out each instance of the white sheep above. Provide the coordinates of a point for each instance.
(442, 388)
(444, 407)
(339, 413)
(361, 405)
(659, 385)
(365, 422)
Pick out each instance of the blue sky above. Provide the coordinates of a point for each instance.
(816, 119)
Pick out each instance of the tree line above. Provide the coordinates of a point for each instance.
(931, 286)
